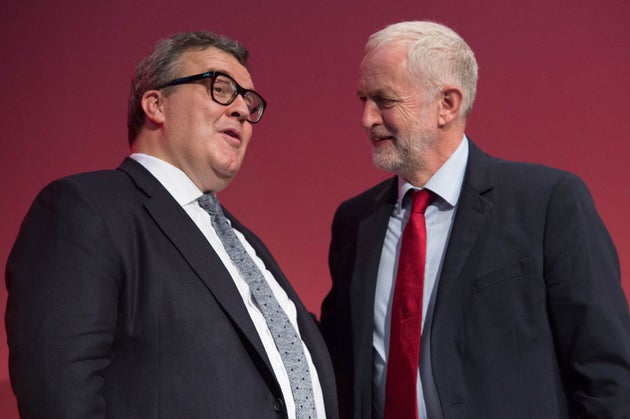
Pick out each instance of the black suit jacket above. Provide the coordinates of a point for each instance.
(530, 320)
(119, 307)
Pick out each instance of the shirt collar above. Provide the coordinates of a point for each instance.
(447, 181)
(176, 182)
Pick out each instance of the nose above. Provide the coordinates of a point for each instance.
(238, 108)
(371, 114)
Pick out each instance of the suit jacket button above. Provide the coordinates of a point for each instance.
(278, 404)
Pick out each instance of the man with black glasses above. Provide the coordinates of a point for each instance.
(133, 294)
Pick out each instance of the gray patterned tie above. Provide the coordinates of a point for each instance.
(286, 338)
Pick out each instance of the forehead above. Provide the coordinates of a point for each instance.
(384, 68)
(198, 61)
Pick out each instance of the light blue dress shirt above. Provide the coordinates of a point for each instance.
(446, 184)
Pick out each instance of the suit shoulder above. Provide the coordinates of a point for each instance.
(101, 182)
(92, 179)
(101, 189)
(369, 197)
(534, 175)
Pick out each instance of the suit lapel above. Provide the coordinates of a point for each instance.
(194, 247)
(473, 209)
(371, 235)
(308, 327)
(370, 238)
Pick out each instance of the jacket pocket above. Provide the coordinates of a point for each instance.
(505, 273)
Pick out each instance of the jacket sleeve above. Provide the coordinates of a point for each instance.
(588, 308)
(63, 280)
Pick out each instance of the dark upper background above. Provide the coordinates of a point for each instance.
(553, 89)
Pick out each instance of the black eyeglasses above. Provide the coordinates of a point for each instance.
(224, 90)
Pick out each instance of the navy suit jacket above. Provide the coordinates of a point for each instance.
(119, 308)
(530, 320)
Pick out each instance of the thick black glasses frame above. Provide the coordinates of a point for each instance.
(212, 75)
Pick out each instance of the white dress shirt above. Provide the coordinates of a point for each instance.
(186, 193)
(446, 184)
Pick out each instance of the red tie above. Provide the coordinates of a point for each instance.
(401, 400)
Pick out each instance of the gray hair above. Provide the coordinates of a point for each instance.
(163, 65)
(437, 56)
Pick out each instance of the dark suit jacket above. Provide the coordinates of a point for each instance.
(530, 319)
(119, 307)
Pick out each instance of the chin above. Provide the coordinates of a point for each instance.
(229, 167)
(388, 161)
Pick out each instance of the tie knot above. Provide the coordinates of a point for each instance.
(421, 200)
(210, 203)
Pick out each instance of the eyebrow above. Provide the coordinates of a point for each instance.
(216, 70)
(227, 73)
(380, 92)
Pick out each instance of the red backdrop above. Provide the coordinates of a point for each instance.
(553, 89)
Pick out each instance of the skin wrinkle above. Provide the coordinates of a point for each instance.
(408, 131)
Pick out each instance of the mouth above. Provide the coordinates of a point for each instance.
(232, 133)
(233, 136)
(379, 134)
(378, 139)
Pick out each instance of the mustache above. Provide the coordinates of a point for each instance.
(380, 131)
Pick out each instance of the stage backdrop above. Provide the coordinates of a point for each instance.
(553, 89)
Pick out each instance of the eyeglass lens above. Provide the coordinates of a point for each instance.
(224, 90)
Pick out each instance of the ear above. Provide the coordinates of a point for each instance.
(450, 105)
(153, 105)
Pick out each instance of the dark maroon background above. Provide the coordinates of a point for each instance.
(553, 89)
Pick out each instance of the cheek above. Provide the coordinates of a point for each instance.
(247, 133)
(392, 120)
